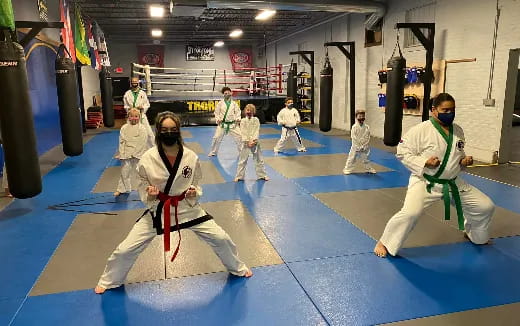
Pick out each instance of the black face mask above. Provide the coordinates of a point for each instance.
(169, 138)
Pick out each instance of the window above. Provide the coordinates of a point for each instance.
(374, 36)
(423, 14)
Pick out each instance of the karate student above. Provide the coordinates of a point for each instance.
(169, 175)
(133, 143)
(250, 129)
(136, 98)
(360, 134)
(289, 118)
(227, 116)
(434, 152)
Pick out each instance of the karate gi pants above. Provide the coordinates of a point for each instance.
(478, 210)
(219, 135)
(128, 175)
(353, 155)
(291, 134)
(143, 232)
(257, 156)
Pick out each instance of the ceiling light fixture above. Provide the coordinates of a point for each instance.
(156, 11)
(218, 44)
(265, 14)
(236, 33)
(156, 33)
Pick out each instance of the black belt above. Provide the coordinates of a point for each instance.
(184, 225)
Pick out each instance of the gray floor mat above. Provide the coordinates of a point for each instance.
(315, 165)
(81, 256)
(506, 315)
(269, 143)
(370, 210)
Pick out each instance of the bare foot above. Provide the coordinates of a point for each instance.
(212, 154)
(481, 244)
(237, 180)
(117, 193)
(266, 178)
(99, 290)
(380, 250)
(248, 274)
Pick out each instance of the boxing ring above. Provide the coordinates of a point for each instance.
(194, 93)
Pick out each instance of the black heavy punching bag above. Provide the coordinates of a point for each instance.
(396, 68)
(70, 114)
(326, 84)
(106, 97)
(292, 81)
(16, 119)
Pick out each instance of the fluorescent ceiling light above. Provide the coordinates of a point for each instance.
(265, 14)
(156, 11)
(156, 33)
(218, 44)
(236, 33)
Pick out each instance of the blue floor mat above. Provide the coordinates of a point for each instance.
(271, 297)
(367, 290)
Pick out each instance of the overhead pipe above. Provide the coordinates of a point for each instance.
(377, 8)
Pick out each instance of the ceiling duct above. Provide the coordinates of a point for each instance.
(376, 8)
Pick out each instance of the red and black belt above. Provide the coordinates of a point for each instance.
(168, 201)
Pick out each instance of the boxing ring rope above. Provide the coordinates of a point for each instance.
(252, 81)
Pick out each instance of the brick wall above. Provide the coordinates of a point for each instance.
(464, 29)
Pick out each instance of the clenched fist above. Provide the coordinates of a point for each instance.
(432, 162)
(468, 160)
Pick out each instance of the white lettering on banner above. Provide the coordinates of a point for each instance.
(8, 63)
(62, 71)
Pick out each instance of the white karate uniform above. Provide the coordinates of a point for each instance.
(250, 129)
(133, 143)
(142, 103)
(417, 146)
(233, 115)
(152, 171)
(360, 135)
(288, 119)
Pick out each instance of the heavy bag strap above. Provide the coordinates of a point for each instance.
(398, 46)
(8, 35)
(173, 172)
(60, 48)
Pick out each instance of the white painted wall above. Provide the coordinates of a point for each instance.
(464, 29)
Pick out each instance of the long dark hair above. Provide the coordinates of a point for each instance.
(158, 123)
(441, 98)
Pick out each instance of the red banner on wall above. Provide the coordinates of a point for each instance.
(152, 55)
(241, 58)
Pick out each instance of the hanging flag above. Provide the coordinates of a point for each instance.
(7, 16)
(66, 31)
(241, 58)
(79, 38)
(93, 50)
(152, 55)
(99, 37)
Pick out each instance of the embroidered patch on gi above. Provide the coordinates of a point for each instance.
(186, 172)
(460, 145)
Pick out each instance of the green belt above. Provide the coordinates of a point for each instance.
(227, 125)
(447, 184)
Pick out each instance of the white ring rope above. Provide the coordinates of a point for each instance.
(253, 80)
